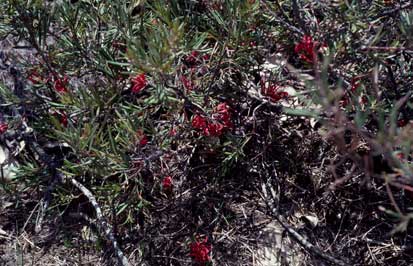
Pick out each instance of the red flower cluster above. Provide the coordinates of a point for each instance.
(402, 122)
(35, 77)
(206, 57)
(3, 127)
(139, 83)
(222, 114)
(167, 183)
(63, 119)
(199, 251)
(61, 116)
(354, 85)
(221, 121)
(187, 83)
(273, 92)
(214, 129)
(60, 84)
(143, 139)
(400, 155)
(172, 132)
(199, 122)
(193, 59)
(306, 49)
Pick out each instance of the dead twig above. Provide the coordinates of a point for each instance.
(103, 225)
(270, 201)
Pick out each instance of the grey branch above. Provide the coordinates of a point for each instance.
(103, 225)
(270, 200)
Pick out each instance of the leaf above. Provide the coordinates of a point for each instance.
(301, 112)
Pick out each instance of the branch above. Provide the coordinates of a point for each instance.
(270, 201)
(103, 225)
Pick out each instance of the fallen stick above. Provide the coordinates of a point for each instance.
(270, 201)
(103, 225)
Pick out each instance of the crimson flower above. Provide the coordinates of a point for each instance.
(354, 85)
(221, 120)
(273, 92)
(172, 132)
(187, 83)
(402, 122)
(214, 129)
(192, 59)
(3, 127)
(167, 183)
(200, 250)
(344, 101)
(139, 83)
(400, 155)
(63, 119)
(222, 110)
(223, 114)
(306, 49)
(199, 122)
(364, 99)
(144, 140)
(60, 85)
(35, 77)
(206, 57)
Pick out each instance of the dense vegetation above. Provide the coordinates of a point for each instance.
(172, 132)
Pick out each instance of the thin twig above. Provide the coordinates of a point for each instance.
(282, 21)
(270, 201)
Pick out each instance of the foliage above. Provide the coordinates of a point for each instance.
(144, 100)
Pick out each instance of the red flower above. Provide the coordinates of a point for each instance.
(400, 155)
(223, 114)
(273, 92)
(167, 183)
(214, 129)
(35, 77)
(221, 120)
(402, 122)
(344, 101)
(364, 99)
(222, 108)
(187, 83)
(306, 49)
(354, 85)
(199, 251)
(192, 59)
(63, 119)
(60, 85)
(172, 132)
(3, 127)
(139, 83)
(143, 141)
(199, 122)
(206, 57)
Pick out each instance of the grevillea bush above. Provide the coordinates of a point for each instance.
(171, 112)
